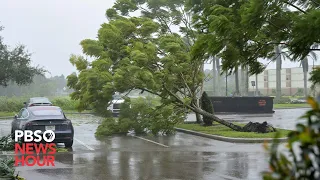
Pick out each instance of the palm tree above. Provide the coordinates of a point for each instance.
(279, 56)
(237, 91)
(214, 76)
(244, 80)
(278, 71)
(218, 75)
(305, 66)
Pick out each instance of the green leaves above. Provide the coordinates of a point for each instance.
(309, 24)
(91, 48)
(305, 138)
(79, 62)
(148, 27)
(142, 53)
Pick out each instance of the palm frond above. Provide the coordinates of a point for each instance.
(313, 55)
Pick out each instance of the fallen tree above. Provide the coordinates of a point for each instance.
(142, 53)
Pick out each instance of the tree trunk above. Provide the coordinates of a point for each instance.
(237, 92)
(257, 90)
(242, 80)
(214, 76)
(278, 72)
(197, 102)
(250, 127)
(305, 81)
(218, 120)
(218, 77)
(305, 67)
(198, 116)
(246, 87)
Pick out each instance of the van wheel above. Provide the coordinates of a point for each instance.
(68, 144)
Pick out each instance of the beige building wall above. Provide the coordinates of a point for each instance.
(291, 81)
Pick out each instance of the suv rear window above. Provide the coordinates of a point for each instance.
(47, 113)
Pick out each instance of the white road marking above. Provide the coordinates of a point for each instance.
(85, 145)
(151, 141)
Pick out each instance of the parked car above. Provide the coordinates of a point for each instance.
(298, 101)
(38, 101)
(45, 118)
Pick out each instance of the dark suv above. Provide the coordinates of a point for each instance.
(38, 101)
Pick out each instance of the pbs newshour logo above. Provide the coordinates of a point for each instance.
(48, 136)
(29, 148)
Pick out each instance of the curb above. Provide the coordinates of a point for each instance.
(292, 108)
(232, 140)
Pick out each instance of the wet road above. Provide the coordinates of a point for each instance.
(176, 157)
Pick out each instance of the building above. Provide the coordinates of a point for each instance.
(291, 81)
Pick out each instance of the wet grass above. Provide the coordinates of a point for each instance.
(221, 130)
(11, 114)
(287, 106)
(7, 114)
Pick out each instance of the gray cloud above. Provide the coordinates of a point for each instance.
(52, 30)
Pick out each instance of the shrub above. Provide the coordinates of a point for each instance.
(6, 143)
(143, 116)
(14, 104)
(206, 105)
(108, 127)
(282, 100)
(7, 170)
(66, 103)
(303, 159)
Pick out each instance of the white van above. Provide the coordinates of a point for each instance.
(116, 103)
(115, 106)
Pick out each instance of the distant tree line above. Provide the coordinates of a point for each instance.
(41, 86)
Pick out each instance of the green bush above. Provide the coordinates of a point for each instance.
(6, 143)
(14, 104)
(142, 116)
(207, 106)
(282, 100)
(303, 158)
(7, 169)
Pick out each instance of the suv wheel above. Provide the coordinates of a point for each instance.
(68, 144)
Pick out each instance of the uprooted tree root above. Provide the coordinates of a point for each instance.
(258, 127)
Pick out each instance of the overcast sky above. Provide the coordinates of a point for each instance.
(52, 30)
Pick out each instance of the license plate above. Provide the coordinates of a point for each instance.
(52, 128)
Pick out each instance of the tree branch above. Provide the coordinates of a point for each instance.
(299, 9)
(186, 84)
(177, 98)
